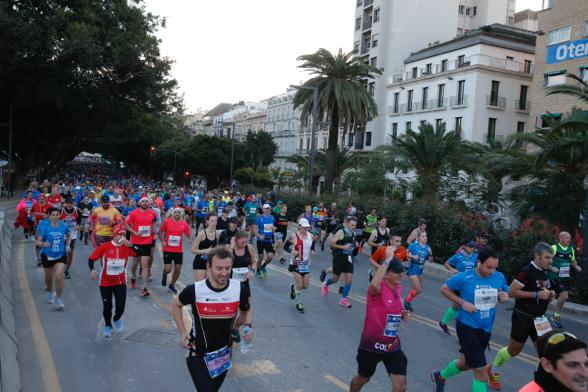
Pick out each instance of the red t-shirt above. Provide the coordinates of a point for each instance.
(56, 200)
(114, 264)
(143, 222)
(380, 254)
(39, 212)
(174, 232)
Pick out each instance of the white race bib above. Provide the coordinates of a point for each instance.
(240, 274)
(115, 266)
(267, 228)
(392, 325)
(542, 325)
(144, 231)
(564, 271)
(174, 240)
(303, 267)
(485, 299)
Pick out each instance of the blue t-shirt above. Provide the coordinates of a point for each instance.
(463, 262)
(220, 207)
(265, 227)
(416, 267)
(189, 201)
(168, 205)
(202, 208)
(482, 292)
(55, 236)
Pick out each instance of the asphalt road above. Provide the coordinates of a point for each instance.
(315, 351)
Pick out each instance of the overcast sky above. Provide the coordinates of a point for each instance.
(238, 50)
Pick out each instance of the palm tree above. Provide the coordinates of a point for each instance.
(342, 96)
(344, 159)
(579, 90)
(301, 173)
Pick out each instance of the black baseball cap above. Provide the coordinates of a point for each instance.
(396, 266)
(105, 199)
(233, 220)
(69, 200)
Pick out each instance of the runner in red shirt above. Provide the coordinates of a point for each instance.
(141, 224)
(55, 198)
(170, 234)
(112, 278)
(380, 254)
(39, 212)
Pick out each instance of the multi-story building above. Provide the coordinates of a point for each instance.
(562, 49)
(387, 31)
(283, 123)
(210, 120)
(477, 84)
(249, 122)
(527, 20)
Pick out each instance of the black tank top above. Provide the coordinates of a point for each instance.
(382, 239)
(242, 261)
(207, 243)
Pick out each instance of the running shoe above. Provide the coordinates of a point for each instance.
(340, 289)
(107, 332)
(438, 381)
(66, 274)
(323, 276)
(59, 304)
(39, 263)
(556, 320)
(133, 282)
(258, 274)
(370, 274)
(493, 378)
(282, 260)
(408, 306)
(300, 308)
(118, 326)
(50, 298)
(172, 288)
(345, 303)
(263, 273)
(145, 293)
(164, 280)
(324, 289)
(444, 328)
(292, 292)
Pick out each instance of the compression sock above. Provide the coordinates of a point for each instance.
(478, 386)
(297, 291)
(502, 356)
(556, 315)
(346, 290)
(448, 316)
(329, 282)
(411, 295)
(451, 370)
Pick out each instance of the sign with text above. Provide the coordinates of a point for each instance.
(567, 51)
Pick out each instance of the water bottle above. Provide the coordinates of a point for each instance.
(245, 345)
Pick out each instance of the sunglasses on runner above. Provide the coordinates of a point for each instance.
(559, 337)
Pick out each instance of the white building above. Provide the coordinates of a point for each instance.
(223, 123)
(477, 84)
(387, 31)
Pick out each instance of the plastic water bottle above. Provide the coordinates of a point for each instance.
(245, 345)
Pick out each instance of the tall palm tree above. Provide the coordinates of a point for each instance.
(343, 98)
(578, 90)
(344, 159)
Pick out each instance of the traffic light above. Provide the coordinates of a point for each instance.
(186, 173)
(152, 151)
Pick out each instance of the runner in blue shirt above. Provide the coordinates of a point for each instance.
(264, 231)
(53, 236)
(479, 292)
(202, 211)
(418, 253)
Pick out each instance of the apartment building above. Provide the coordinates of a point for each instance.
(249, 122)
(562, 49)
(477, 84)
(388, 31)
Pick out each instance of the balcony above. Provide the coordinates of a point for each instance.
(459, 101)
(495, 102)
(438, 104)
(302, 151)
(367, 23)
(367, 3)
(421, 106)
(396, 111)
(522, 106)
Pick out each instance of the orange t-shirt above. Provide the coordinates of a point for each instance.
(380, 254)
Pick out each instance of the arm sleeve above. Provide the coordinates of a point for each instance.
(244, 304)
(188, 295)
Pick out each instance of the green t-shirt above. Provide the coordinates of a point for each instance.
(562, 260)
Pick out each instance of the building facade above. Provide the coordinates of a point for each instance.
(387, 31)
(562, 49)
(249, 122)
(477, 84)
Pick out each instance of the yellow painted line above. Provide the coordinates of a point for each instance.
(336, 382)
(419, 319)
(256, 368)
(48, 371)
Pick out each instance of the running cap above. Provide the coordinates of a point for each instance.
(554, 344)
(266, 206)
(395, 266)
(119, 229)
(470, 244)
(304, 222)
(105, 199)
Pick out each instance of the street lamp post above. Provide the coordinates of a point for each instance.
(312, 132)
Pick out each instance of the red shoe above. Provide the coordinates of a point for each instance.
(133, 283)
(145, 293)
(493, 379)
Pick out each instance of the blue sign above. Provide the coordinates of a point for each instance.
(567, 51)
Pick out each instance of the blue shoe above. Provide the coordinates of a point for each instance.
(59, 304)
(438, 381)
(556, 320)
(118, 326)
(107, 332)
(50, 298)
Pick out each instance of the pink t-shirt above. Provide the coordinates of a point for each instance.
(142, 221)
(382, 319)
(173, 234)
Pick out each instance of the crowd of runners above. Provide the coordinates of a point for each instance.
(233, 237)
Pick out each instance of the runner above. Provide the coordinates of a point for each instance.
(228, 234)
(141, 224)
(479, 292)
(102, 220)
(564, 258)
(53, 237)
(202, 211)
(322, 223)
(343, 243)
(218, 305)
(112, 278)
(55, 197)
(243, 258)
(379, 255)
(300, 264)
(414, 235)
(532, 290)
(85, 207)
(332, 222)
(223, 219)
(379, 338)
(359, 231)
(250, 208)
(170, 234)
(205, 241)
(72, 218)
(264, 231)
(380, 236)
(418, 253)
(40, 211)
(25, 218)
(281, 233)
(370, 226)
(460, 262)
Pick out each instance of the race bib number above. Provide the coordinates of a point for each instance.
(104, 220)
(144, 231)
(564, 271)
(267, 228)
(55, 245)
(174, 240)
(358, 232)
(303, 267)
(252, 210)
(542, 325)
(115, 266)
(240, 274)
(485, 299)
(392, 325)
(218, 361)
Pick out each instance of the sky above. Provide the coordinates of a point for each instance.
(237, 50)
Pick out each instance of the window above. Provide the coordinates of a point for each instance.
(375, 41)
(415, 71)
(301, 144)
(461, 9)
(376, 15)
(461, 60)
(359, 2)
(585, 28)
(425, 97)
(440, 95)
(528, 66)
(350, 140)
(584, 73)
(394, 131)
(423, 123)
(510, 58)
(438, 123)
(372, 88)
(491, 136)
(460, 92)
(523, 98)
(374, 61)
(509, 20)
(458, 125)
(428, 68)
(468, 10)
(357, 24)
(409, 101)
(368, 139)
(474, 11)
(396, 99)
(547, 120)
(408, 126)
(494, 93)
(559, 35)
(521, 127)
(443, 65)
(555, 78)
(308, 143)
(356, 47)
